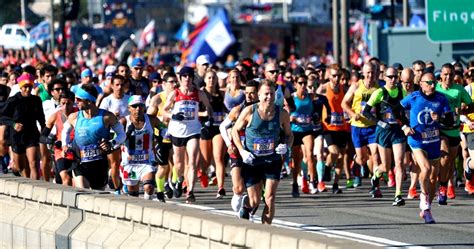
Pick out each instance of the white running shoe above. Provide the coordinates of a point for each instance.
(236, 202)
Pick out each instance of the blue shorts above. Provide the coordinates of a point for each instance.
(362, 136)
(433, 150)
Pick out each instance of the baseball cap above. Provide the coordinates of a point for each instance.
(202, 59)
(86, 73)
(154, 76)
(138, 62)
(135, 100)
(186, 70)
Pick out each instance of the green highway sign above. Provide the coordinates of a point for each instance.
(450, 20)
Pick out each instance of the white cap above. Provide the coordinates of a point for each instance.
(110, 69)
(222, 75)
(202, 59)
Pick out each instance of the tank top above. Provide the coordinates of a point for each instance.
(230, 101)
(58, 152)
(262, 136)
(138, 147)
(337, 122)
(88, 133)
(361, 96)
(43, 93)
(302, 113)
(385, 110)
(218, 108)
(189, 106)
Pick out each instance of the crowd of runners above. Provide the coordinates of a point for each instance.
(160, 130)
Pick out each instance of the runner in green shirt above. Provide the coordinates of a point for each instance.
(47, 74)
(450, 136)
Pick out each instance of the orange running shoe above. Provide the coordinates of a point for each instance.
(412, 194)
(469, 187)
(204, 180)
(451, 193)
(322, 187)
(305, 186)
(391, 179)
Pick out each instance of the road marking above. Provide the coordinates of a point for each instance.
(366, 239)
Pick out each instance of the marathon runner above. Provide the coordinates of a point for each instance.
(262, 149)
(91, 136)
(427, 108)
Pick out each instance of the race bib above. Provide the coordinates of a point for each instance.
(90, 153)
(188, 112)
(138, 157)
(218, 118)
(430, 135)
(388, 117)
(302, 118)
(337, 119)
(165, 135)
(263, 146)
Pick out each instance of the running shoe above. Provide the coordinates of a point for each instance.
(236, 202)
(350, 183)
(160, 196)
(313, 188)
(295, 192)
(376, 193)
(336, 189)
(168, 190)
(357, 181)
(190, 198)
(322, 187)
(426, 215)
(305, 186)
(220, 193)
(178, 189)
(398, 201)
(125, 189)
(204, 179)
(244, 213)
(412, 194)
(469, 187)
(391, 179)
(442, 197)
(374, 183)
(451, 193)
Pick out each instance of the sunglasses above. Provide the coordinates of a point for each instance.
(301, 82)
(273, 71)
(57, 89)
(430, 82)
(391, 76)
(136, 106)
(172, 81)
(335, 75)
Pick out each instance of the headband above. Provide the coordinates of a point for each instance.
(82, 94)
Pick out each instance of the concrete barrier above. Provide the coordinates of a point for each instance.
(36, 214)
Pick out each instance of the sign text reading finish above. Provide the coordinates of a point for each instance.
(450, 20)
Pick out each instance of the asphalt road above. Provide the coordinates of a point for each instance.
(354, 215)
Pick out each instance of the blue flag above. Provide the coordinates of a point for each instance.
(40, 32)
(214, 39)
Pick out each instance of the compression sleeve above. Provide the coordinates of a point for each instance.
(120, 138)
(226, 123)
(65, 139)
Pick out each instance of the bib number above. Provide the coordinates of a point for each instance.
(263, 146)
(337, 119)
(218, 118)
(430, 135)
(138, 157)
(90, 153)
(188, 112)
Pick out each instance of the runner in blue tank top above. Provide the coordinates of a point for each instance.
(427, 109)
(263, 148)
(91, 136)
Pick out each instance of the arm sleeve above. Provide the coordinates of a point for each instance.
(65, 139)
(368, 114)
(223, 129)
(120, 138)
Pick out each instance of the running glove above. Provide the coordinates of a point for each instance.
(247, 157)
(281, 149)
(178, 116)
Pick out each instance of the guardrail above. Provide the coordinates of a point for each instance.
(36, 214)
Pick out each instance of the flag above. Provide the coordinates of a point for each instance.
(189, 42)
(214, 39)
(183, 32)
(147, 36)
(40, 32)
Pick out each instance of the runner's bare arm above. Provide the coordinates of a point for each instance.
(168, 105)
(285, 124)
(347, 101)
(240, 124)
(154, 103)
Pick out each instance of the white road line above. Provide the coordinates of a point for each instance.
(366, 239)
